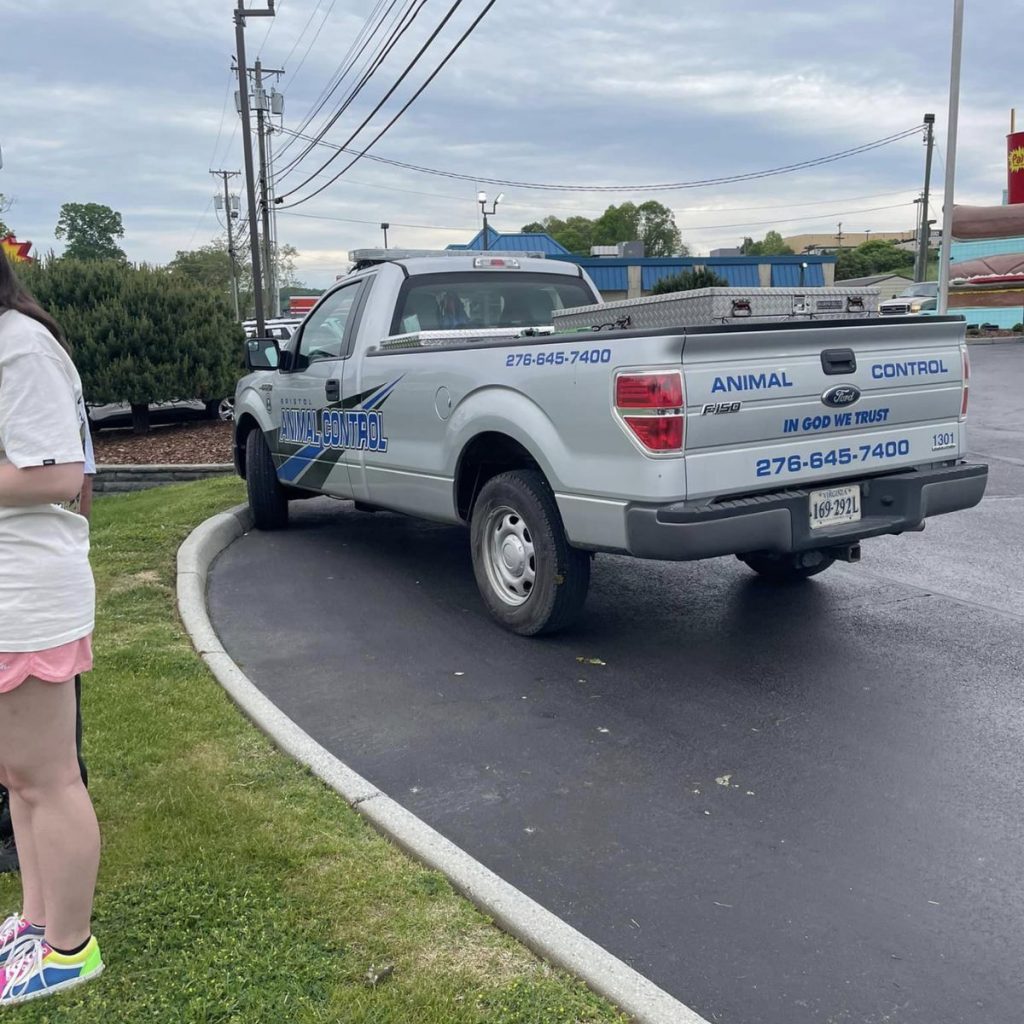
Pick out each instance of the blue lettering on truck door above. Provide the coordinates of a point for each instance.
(918, 368)
(752, 382)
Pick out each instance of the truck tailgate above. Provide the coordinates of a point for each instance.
(792, 405)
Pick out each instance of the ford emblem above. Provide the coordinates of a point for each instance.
(840, 395)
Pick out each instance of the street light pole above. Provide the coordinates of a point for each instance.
(951, 129)
(481, 198)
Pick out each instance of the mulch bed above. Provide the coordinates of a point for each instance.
(200, 443)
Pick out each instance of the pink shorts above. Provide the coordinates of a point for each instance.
(55, 665)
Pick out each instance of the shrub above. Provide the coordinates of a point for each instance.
(139, 334)
(688, 280)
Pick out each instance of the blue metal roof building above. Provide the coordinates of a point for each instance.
(627, 276)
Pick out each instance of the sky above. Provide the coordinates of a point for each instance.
(130, 103)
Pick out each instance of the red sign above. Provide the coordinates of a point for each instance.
(1015, 167)
(17, 252)
(302, 303)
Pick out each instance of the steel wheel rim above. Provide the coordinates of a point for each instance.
(509, 555)
(226, 409)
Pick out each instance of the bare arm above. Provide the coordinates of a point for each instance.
(85, 505)
(39, 485)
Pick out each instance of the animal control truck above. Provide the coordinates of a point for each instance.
(437, 385)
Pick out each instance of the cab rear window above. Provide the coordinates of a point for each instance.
(451, 302)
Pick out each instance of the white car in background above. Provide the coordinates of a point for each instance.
(918, 298)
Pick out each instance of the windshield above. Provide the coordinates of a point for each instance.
(468, 301)
(928, 288)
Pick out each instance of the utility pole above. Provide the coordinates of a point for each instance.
(229, 214)
(250, 180)
(384, 227)
(839, 236)
(951, 132)
(921, 263)
(262, 105)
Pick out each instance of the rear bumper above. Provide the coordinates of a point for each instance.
(779, 522)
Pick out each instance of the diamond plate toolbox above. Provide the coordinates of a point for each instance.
(706, 306)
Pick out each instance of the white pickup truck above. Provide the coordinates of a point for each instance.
(434, 386)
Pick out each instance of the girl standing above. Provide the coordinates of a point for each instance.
(47, 602)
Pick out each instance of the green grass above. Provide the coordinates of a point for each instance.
(235, 887)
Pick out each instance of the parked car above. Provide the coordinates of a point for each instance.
(911, 300)
(433, 386)
(119, 414)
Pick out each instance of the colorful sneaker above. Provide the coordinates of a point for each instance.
(16, 932)
(39, 971)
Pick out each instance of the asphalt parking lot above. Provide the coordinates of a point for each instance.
(784, 806)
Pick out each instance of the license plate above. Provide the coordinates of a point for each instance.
(834, 506)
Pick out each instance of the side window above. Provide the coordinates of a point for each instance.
(323, 335)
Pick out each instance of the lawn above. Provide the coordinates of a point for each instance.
(235, 887)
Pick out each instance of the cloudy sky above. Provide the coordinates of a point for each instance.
(130, 103)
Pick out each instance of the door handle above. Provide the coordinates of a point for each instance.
(835, 361)
(333, 390)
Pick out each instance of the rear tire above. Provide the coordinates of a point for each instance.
(530, 578)
(789, 568)
(267, 499)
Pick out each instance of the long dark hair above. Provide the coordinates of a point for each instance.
(14, 295)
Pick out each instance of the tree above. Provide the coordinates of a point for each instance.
(650, 222)
(878, 256)
(140, 334)
(210, 265)
(90, 230)
(689, 280)
(771, 245)
(5, 205)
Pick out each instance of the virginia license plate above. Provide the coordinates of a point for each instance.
(834, 506)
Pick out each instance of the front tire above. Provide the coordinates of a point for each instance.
(267, 499)
(222, 409)
(530, 578)
(789, 568)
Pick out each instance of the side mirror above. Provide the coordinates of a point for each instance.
(262, 354)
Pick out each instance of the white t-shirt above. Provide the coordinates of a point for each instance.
(47, 595)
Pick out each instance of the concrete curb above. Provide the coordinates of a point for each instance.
(116, 478)
(543, 932)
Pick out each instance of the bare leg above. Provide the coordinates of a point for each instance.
(32, 905)
(50, 803)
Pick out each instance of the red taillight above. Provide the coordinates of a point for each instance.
(649, 391)
(660, 395)
(967, 388)
(659, 433)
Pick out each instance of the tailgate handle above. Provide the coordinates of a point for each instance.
(333, 390)
(835, 361)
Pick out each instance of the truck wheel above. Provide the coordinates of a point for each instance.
(531, 579)
(267, 498)
(789, 568)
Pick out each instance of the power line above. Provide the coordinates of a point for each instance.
(298, 38)
(401, 78)
(312, 42)
(448, 197)
(376, 223)
(338, 75)
(270, 27)
(223, 116)
(202, 217)
(667, 186)
(409, 16)
(419, 92)
(792, 220)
